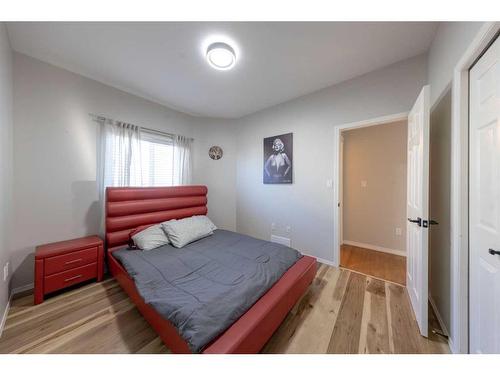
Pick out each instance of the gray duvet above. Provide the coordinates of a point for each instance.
(207, 285)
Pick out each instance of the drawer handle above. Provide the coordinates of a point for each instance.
(73, 261)
(73, 278)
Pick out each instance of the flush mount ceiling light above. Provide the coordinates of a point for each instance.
(221, 56)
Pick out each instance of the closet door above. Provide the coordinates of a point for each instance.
(484, 203)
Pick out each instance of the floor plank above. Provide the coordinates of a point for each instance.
(310, 333)
(58, 322)
(291, 325)
(381, 265)
(375, 332)
(342, 312)
(346, 332)
(72, 299)
(403, 322)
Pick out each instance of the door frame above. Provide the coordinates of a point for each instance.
(337, 211)
(459, 225)
(341, 190)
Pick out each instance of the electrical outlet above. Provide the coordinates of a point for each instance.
(364, 183)
(6, 271)
(288, 229)
(398, 232)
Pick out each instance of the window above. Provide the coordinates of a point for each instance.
(156, 160)
(142, 158)
(133, 156)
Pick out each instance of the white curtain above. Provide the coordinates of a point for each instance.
(182, 168)
(119, 160)
(131, 156)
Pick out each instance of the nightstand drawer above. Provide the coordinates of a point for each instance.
(69, 261)
(68, 278)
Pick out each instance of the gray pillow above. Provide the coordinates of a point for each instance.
(184, 231)
(150, 238)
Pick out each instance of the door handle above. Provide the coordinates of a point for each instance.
(433, 222)
(493, 252)
(418, 221)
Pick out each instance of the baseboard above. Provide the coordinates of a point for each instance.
(4, 317)
(14, 291)
(325, 261)
(21, 289)
(375, 247)
(438, 316)
(453, 350)
(321, 260)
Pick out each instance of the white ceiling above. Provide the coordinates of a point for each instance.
(164, 62)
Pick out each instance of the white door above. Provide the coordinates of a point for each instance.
(484, 203)
(418, 208)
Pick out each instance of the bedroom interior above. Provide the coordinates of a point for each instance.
(228, 187)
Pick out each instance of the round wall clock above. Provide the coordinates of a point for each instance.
(215, 152)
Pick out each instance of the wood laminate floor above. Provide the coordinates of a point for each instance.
(385, 266)
(342, 312)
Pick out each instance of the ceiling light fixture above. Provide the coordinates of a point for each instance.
(221, 56)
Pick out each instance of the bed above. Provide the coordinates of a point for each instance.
(129, 208)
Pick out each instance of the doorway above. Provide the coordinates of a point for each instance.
(417, 201)
(373, 200)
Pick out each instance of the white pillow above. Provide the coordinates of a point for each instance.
(150, 238)
(206, 220)
(184, 231)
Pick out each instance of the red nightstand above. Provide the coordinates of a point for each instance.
(62, 264)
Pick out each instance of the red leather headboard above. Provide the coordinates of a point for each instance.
(130, 207)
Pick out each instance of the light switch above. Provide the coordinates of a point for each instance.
(329, 183)
(364, 183)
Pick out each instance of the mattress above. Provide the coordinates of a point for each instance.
(207, 285)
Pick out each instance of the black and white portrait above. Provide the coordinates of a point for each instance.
(278, 156)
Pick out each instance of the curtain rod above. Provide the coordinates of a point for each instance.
(103, 118)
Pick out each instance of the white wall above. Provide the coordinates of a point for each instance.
(218, 175)
(371, 213)
(55, 155)
(6, 159)
(307, 205)
(449, 44)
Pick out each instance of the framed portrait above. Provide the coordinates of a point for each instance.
(278, 159)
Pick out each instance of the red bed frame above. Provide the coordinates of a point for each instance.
(129, 208)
